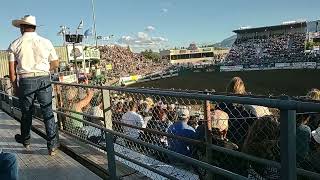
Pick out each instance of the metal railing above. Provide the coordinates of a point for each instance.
(115, 140)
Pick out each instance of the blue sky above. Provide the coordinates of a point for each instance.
(173, 22)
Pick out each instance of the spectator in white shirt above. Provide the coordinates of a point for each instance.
(132, 118)
(31, 59)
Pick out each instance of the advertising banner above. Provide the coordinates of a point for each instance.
(78, 52)
(108, 66)
(68, 79)
(91, 53)
(231, 68)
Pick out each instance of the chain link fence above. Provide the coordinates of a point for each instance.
(202, 129)
(241, 138)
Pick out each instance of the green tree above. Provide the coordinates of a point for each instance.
(149, 54)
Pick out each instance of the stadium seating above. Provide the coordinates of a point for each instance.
(270, 49)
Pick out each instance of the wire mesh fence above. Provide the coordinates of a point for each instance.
(186, 126)
(241, 138)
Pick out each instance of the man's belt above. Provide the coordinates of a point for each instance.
(35, 74)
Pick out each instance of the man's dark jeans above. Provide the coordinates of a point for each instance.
(8, 166)
(37, 88)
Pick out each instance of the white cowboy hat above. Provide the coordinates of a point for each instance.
(27, 19)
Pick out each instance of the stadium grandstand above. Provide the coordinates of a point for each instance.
(289, 42)
(193, 54)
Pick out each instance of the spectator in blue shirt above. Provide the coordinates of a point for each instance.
(181, 128)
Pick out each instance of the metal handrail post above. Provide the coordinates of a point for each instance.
(288, 144)
(112, 169)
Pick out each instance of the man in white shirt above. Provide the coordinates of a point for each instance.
(31, 58)
(132, 118)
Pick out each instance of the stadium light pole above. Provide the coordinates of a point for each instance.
(63, 32)
(94, 23)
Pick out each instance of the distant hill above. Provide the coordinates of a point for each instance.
(226, 43)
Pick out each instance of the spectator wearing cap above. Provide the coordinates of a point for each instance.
(315, 140)
(181, 128)
(314, 158)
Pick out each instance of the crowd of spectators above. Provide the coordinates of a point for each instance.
(250, 129)
(276, 48)
(125, 62)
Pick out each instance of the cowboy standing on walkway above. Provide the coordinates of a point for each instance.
(31, 58)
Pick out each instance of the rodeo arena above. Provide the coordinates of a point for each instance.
(110, 131)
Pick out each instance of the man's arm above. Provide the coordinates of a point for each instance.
(53, 58)
(12, 71)
(12, 67)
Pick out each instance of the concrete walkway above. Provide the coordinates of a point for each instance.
(34, 163)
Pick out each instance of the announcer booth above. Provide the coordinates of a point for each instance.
(193, 54)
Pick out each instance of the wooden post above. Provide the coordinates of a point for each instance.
(107, 114)
(208, 135)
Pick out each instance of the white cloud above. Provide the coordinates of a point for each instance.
(150, 28)
(143, 35)
(159, 39)
(164, 10)
(142, 40)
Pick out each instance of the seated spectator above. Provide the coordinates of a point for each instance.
(314, 121)
(314, 158)
(96, 110)
(8, 166)
(160, 123)
(132, 118)
(117, 111)
(314, 94)
(144, 111)
(171, 112)
(94, 134)
(117, 114)
(240, 118)
(76, 103)
(263, 141)
(220, 128)
(193, 121)
(220, 125)
(303, 137)
(181, 128)
(236, 86)
(149, 103)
